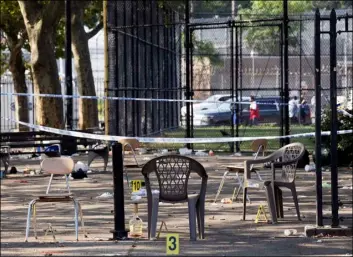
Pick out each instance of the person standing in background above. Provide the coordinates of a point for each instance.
(293, 109)
(254, 111)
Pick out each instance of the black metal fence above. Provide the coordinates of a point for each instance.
(144, 62)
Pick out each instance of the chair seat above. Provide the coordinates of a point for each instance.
(55, 197)
(238, 168)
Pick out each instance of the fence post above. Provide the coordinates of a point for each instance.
(333, 96)
(232, 72)
(119, 231)
(319, 218)
(286, 70)
(187, 69)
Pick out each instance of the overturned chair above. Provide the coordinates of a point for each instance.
(55, 166)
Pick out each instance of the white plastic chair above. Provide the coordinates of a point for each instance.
(258, 146)
(55, 166)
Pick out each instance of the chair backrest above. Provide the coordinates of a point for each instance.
(58, 165)
(289, 153)
(173, 172)
(133, 143)
(259, 145)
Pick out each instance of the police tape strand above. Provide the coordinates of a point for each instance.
(138, 99)
(167, 139)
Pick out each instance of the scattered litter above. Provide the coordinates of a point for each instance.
(146, 158)
(347, 187)
(106, 195)
(319, 241)
(226, 200)
(290, 232)
(310, 167)
(237, 154)
(136, 198)
(142, 193)
(212, 218)
(302, 196)
(326, 185)
(185, 151)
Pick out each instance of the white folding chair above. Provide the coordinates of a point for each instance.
(55, 166)
(258, 146)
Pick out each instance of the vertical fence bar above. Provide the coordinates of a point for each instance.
(125, 69)
(159, 105)
(300, 55)
(188, 43)
(117, 74)
(153, 127)
(282, 143)
(106, 67)
(68, 64)
(333, 96)
(145, 67)
(232, 72)
(241, 67)
(319, 219)
(286, 70)
(191, 49)
(133, 55)
(237, 72)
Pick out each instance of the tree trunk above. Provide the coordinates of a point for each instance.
(41, 22)
(17, 68)
(49, 110)
(88, 108)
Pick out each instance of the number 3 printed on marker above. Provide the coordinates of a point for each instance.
(172, 244)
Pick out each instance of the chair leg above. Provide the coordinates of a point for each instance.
(201, 218)
(91, 156)
(221, 185)
(192, 218)
(240, 181)
(76, 218)
(271, 202)
(154, 216)
(127, 178)
(245, 189)
(50, 180)
(67, 183)
(29, 213)
(35, 220)
(81, 217)
(106, 158)
(295, 199)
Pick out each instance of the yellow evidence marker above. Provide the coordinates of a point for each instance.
(261, 214)
(136, 185)
(172, 241)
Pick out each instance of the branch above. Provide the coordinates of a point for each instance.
(94, 31)
(30, 11)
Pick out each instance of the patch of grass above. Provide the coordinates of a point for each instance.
(244, 131)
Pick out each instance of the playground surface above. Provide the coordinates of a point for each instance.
(226, 233)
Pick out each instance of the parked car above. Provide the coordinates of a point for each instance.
(208, 103)
(222, 115)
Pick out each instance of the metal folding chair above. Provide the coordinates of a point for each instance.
(258, 146)
(55, 166)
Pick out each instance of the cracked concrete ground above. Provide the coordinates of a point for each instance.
(226, 233)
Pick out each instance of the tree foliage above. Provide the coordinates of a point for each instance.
(265, 40)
